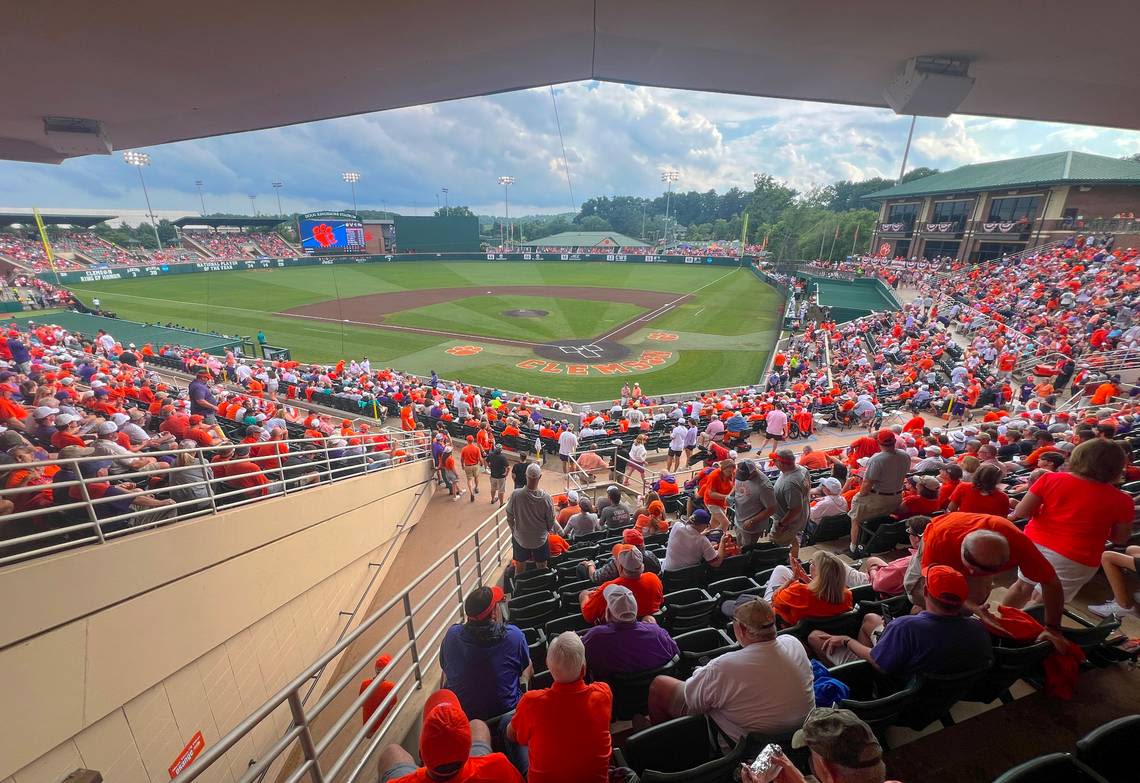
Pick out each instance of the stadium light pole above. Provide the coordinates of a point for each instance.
(444, 192)
(138, 160)
(668, 176)
(198, 184)
(506, 182)
(277, 185)
(352, 177)
(253, 205)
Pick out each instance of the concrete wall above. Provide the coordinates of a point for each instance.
(113, 656)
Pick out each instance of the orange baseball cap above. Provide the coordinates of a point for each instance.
(946, 585)
(445, 740)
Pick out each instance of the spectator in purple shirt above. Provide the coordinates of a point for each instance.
(624, 644)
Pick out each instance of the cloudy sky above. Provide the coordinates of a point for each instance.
(617, 137)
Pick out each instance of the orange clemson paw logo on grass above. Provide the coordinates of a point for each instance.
(663, 337)
(464, 350)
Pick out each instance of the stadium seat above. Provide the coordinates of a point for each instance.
(846, 624)
(631, 690)
(572, 622)
(533, 610)
(936, 694)
(687, 610)
(766, 555)
(682, 745)
(701, 646)
(1011, 663)
(737, 565)
(882, 534)
(1110, 750)
(536, 644)
(568, 593)
(1085, 635)
(540, 680)
(1051, 768)
(827, 529)
(534, 581)
(684, 578)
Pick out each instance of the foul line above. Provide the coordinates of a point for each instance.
(660, 311)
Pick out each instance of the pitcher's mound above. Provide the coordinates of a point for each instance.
(526, 313)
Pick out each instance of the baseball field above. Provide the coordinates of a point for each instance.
(571, 330)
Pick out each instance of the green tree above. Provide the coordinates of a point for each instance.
(594, 223)
(770, 199)
(454, 212)
(918, 173)
(847, 195)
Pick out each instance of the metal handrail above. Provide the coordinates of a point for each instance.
(490, 539)
(320, 467)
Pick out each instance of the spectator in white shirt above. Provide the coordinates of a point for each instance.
(567, 443)
(831, 503)
(676, 447)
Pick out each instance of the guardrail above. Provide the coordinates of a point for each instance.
(192, 482)
(411, 626)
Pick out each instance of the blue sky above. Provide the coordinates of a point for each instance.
(618, 138)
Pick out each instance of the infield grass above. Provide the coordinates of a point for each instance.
(730, 322)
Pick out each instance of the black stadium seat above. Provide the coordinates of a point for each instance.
(1110, 749)
(1052, 768)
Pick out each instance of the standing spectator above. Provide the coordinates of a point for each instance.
(484, 658)
(261, 341)
(793, 507)
(715, 490)
(676, 447)
(530, 516)
(881, 490)
(497, 466)
(202, 400)
(565, 728)
(567, 445)
(452, 749)
(1115, 565)
(638, 456)
(518, 470)
(775, 424)
(755, 500)
(726, 688)
(376, 697)
(1072, 514)
(472, 458)
(625, 643)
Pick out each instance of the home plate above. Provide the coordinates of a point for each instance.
(488, 292)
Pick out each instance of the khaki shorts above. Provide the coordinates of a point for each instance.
(864, 507)
(472, 471)
(498, 485)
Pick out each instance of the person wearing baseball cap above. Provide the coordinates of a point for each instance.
(484, 658)
(623, 643)
(608, 571)
(939, 640)
(376, 696)
(843, 749)
(452, 748)
(726, 688)
(688, 544)
(12, 414)
(646, 587)
(880, 492)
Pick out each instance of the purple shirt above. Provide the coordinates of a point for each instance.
(627, 647)
(926, 643)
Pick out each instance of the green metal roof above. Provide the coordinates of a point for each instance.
(1052, 169)
(587, 239)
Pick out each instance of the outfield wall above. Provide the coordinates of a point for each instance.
(130, 272)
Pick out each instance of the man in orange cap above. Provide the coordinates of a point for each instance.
(376, 696)
(452, 748)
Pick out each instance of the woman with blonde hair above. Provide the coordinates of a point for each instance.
(820, 592)
(638, 456)
(1072, 514)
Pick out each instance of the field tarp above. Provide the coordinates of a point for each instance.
(127, 332)
(131, 272)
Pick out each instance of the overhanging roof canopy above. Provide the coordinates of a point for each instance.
(1053, 169)
(29, 219)
(151, 73)
(230, 222)
(587, 239)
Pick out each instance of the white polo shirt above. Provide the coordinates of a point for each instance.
(686, 547)
(767, 688)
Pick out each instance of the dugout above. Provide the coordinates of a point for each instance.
(850, 299)
(127, 332)
(437, 234)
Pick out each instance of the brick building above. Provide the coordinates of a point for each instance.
(987, 210)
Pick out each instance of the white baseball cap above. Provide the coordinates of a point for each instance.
(44, 411)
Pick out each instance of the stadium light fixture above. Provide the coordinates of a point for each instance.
(668, 176)
(444, 192)
(506, 182)
(277, 185)
(198, 184)
(352, 177)
(138, 160)
(253, 204)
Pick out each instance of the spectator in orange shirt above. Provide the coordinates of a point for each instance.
(715, 491)
(1045, 442)
(1106, 391)
(795, 594)
(12, 414)
(376, 697)
(813, 460)
(472, 459)
(646, 588)
(653, 520)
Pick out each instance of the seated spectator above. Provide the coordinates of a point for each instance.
(726, 688)
(484, 658)
(238, 474)
(452, 748)
(614, 514)
(631, 573)
(688, 544)
(949, 477)
(624, 643)
(981, 496)
(609, 571)
(1116, 565)
(581, 522)
(939, 640)
(1072, 514)
(376, 697)
(188, 482)
(565, 728)
(796, 594)
(920, 497)
(831, 502)
(843, 749)
(887, 578)
(653, 521)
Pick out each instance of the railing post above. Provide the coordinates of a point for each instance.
(208, 473)
(87, 499)
(478, 560)
(306, 738)
(412, 638)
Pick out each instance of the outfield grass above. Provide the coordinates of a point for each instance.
(483, 315)
(725, 331)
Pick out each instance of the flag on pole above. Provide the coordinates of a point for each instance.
(764, 245)
(837, 230)
(744, 234)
